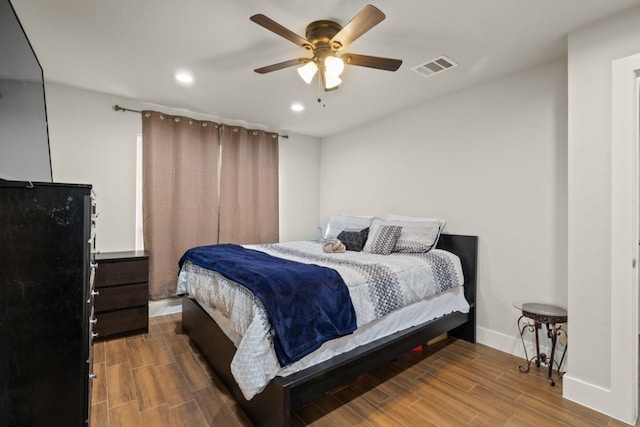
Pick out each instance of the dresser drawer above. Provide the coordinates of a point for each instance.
(120, 321)
(117, 297)
(121, 272)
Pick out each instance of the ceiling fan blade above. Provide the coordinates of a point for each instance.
(281, 65)
(273, 26)
(365, 20)
(388, 64)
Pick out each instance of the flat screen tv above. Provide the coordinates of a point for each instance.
(24, 135)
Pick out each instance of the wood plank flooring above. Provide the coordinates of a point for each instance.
(159, 379)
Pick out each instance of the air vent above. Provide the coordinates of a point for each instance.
(435, 66)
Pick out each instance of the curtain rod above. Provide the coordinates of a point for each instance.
(119, 108)
(116, 107)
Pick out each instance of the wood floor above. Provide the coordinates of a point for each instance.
(159, 379)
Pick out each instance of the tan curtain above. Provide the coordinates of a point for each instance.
(248, 186)
(180, 193)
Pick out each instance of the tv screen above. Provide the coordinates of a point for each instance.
(24, 136)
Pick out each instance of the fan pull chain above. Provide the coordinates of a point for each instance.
(319, 93)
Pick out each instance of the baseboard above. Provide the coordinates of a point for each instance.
(513, 345)
(165, 306)
(598, 398)
(594, 397)
(499, 341)
(590, 395)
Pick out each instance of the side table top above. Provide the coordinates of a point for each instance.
(541, 310)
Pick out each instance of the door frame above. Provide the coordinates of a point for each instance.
(625, 237)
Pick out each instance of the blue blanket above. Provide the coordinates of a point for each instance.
(307, 304)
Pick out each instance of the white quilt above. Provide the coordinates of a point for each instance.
(378, 285)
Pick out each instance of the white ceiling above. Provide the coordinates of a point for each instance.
(131, 48)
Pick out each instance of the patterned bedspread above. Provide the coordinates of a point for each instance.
(378, 285)
(307, 304)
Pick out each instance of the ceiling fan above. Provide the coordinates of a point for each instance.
(324, 39)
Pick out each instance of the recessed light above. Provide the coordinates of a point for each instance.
(183, 77)
(297, 107)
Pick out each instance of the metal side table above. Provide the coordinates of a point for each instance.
(534, 315)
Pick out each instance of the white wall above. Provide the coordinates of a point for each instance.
(591, 52)
(93, 144)
(299, 187)
(490, 160)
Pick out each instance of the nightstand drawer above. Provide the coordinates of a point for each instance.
(121, 272)
(115, 322)
(117, 297)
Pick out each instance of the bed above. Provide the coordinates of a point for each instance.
(286, 392)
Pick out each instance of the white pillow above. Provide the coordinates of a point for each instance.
(339, 223)
(392, 217)
(416, 236)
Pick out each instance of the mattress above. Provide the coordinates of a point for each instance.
(423, 287)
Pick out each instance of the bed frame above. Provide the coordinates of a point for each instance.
(274, 405)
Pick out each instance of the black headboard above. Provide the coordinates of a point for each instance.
(466, 247)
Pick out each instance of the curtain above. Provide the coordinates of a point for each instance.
(180, 193)
(248, 186)
(203, 183)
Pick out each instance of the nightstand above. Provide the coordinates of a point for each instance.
(534, 316)
(122, 302)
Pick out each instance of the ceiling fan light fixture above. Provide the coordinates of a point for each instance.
(307, 71)
(324, 38)
(331, 81)
(333, 65)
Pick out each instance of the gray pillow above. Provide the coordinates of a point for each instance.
(354, 240)
(384, 240)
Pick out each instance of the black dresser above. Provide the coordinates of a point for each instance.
(46, 303)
